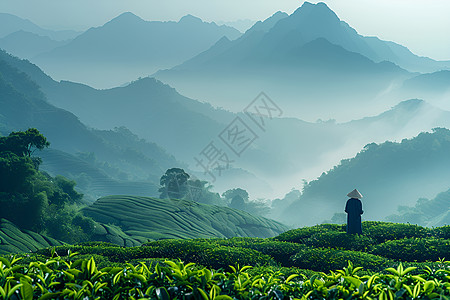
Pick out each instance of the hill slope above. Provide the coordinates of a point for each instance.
(23, 105)
(27, 44)
(150, 218)
(11, 23)
(388, 175)
(128, 47)
(15, 240)
(310, 54)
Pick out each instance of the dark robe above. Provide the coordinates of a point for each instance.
(353, 208)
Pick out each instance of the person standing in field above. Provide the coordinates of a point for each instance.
(353, 208)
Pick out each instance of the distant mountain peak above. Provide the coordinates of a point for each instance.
(191, 19)
(126, 17)
(267, 24)
(411, 104)
(319, 11)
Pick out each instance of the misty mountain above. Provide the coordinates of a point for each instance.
(11, 23)
(122, 158)
(437, 82)
(309, 55)
(267, 24)
(288, 151)
(26, 44)
(388, 175)
(426, 212)
(129, 47)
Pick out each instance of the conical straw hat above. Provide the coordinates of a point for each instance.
(355, 194)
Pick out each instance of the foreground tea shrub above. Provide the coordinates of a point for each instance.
(340, 240)
(300, 235)
(281, 252)
(414, 249)
(57, 278)
(383, 231)
(326, 259)
(441, 232)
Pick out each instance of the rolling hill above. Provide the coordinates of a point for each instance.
(10, 23)
(426, 212)
(141, 163)
(15, 240)
(128, 47)
(388, 175)
(27, 44)
(144, 218)
(271, 166)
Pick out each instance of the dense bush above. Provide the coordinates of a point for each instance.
(441, 232)
(279, 251)
(197, 251)
(383, 231)
(340, 240)
(82, 278)
(34, 200)
(326, 259)
(300, 235)
(414, 249)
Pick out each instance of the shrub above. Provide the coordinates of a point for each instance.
(300, 235)
(280, 251)
(441, 232)
(324, 260)
(383, 231)
(340, 240)
(414, 249)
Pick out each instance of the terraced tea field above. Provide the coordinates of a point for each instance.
(144, 218)
(15, 240)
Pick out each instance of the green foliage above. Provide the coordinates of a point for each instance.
(326, 259)
(383, 231)
(230, 194)
(144, 218)
(414, 249)
(174, 183)
(340, 240)
(15, 240)
(300, 235)
(441, 232)
(34, 200)
(23, 143)
(83, 278)
(16, 173)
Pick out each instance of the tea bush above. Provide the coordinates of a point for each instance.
(340, 240)
(300, 235)
(279, 251)
(383, 231)
(325, 259)
(441, 232)
(414, 249)
(83, 279)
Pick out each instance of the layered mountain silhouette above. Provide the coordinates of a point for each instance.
(10, 23)
(128, 47)
(388, 175)
(116, 160)
(26, 44)
(311, 62)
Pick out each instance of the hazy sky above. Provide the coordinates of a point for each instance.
(421, 25)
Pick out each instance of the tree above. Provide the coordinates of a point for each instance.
(23, 143)
(173, 183)
(34, 200)
(230, 194)
(200, 191)
(236, 197)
